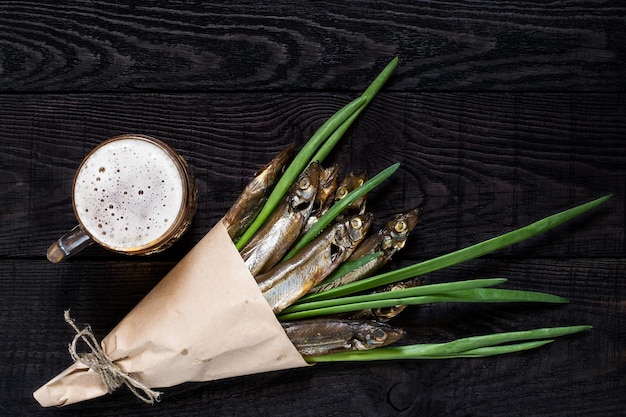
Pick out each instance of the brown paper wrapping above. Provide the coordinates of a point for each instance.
(206, 320)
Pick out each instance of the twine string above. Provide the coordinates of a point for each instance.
(112, 376)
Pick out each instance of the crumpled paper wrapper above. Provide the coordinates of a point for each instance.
(206, 320)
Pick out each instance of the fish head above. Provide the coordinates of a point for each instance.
(304, 190)
(357, 227)
(412, 217)
(386, 313)
(398, 228)
(347, 234)
(328, 184)
(277, 165)
(349, 183)
(373, 334)
(344, 187)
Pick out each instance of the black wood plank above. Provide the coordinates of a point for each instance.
(580, 375)
(293, 46)
(479, 164)
(483, 162)
(500, 112)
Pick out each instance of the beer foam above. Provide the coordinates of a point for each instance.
(128, 193)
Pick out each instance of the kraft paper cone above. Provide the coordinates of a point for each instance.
(206, 320)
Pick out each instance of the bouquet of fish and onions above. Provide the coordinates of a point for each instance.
(303, 231)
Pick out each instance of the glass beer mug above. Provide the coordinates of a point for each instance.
(132, 194)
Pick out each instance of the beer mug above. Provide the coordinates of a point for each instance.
(132, 194)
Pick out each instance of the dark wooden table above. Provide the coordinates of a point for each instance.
(500, 113)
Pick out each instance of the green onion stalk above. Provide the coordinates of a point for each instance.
(469, 347)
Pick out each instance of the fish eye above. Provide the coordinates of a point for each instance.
(304, 183)
(400, 226)
(356, 222)
(380, 335)
(341, 192)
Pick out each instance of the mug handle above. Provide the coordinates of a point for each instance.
(67, 245)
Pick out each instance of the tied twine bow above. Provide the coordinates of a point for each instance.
(112, 376)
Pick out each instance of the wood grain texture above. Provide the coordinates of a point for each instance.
(295, 46)
(480, 164)
(500, 113)
(545, 382)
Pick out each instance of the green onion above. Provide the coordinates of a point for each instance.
(495, 350)
(338, 207)
(474, 346)
(338, 122)
(461, 255)
(369, 94)
(391, 299)
(299, 163)
(428, 289)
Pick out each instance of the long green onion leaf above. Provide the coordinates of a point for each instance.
(338, 207)
(369, 94)
(328, 146)
(494, 350)
(461, 255)
(477, 295)
(454, 349)
(299, 163)
(421, 290)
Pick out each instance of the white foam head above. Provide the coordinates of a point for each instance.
(128, 193)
